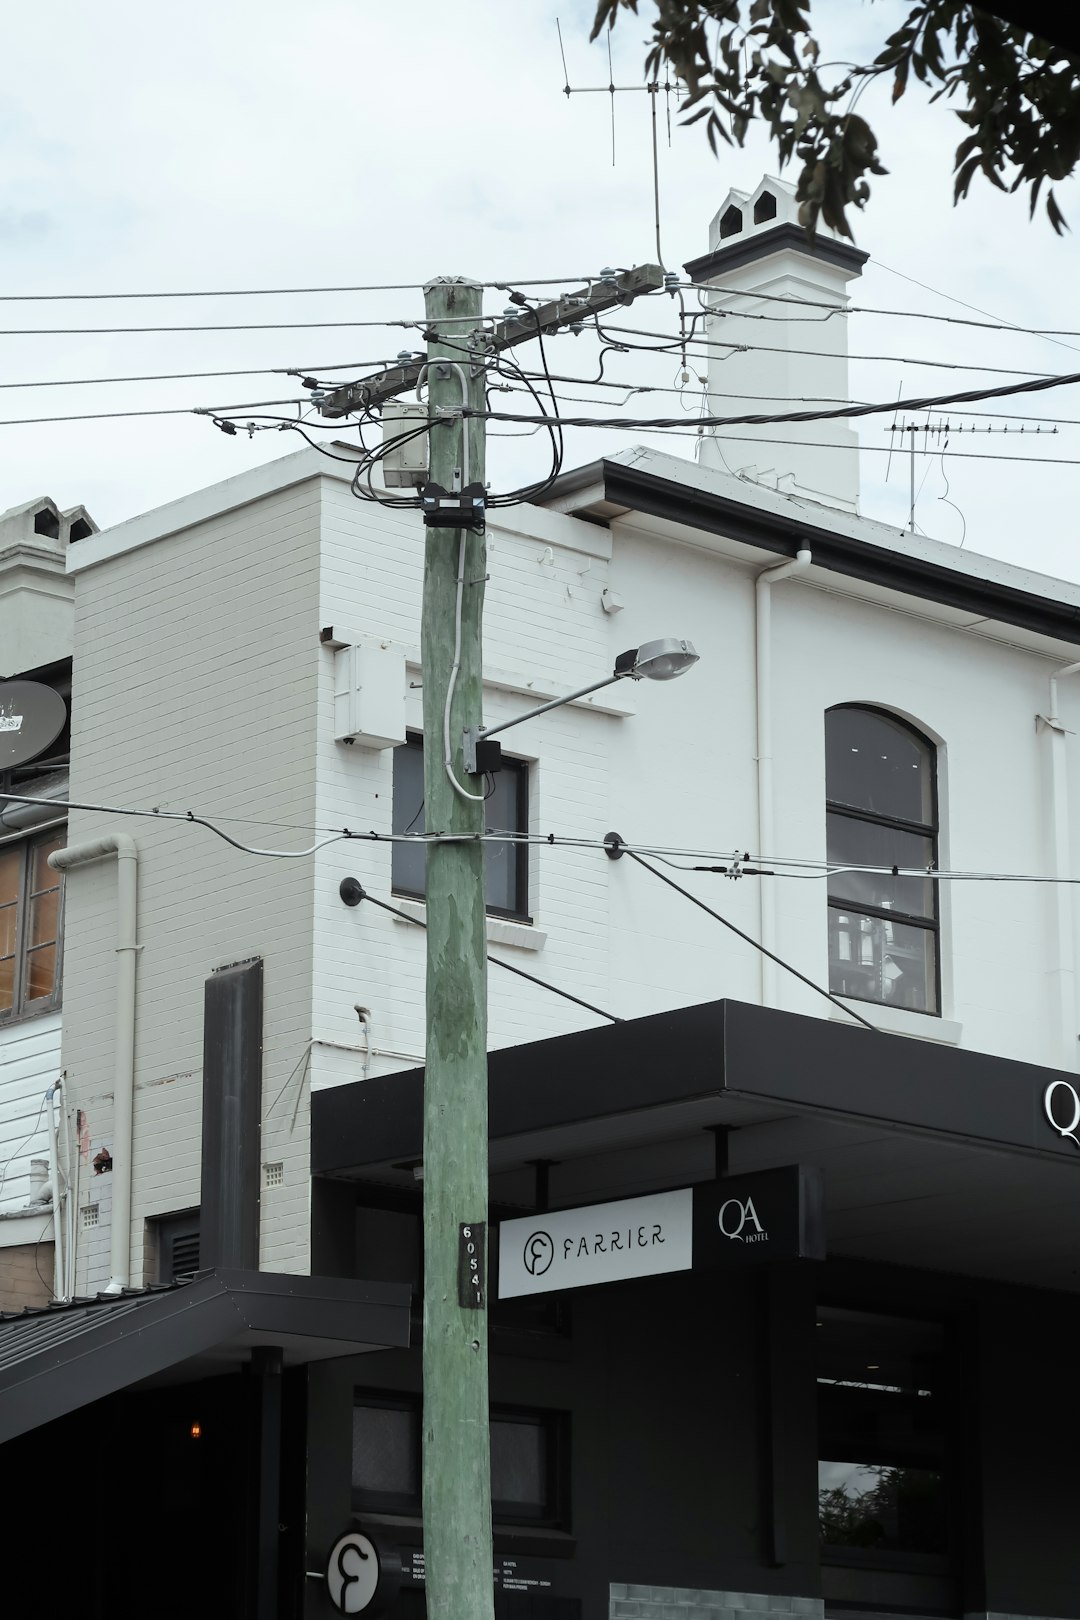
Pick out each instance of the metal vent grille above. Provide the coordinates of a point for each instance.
(89, 1216)
(273, 1175)
(185, 1254)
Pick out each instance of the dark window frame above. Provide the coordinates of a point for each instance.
(22, 1005)
(520, 769)
(923, 829)
(555, 1514)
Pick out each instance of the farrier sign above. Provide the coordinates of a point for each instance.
(774, 1215)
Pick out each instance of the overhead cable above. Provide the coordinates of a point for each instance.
(496, 961)
(271, 292)
(616, 849)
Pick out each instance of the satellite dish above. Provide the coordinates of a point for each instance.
(31, 717)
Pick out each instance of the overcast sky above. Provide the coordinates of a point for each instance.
(265, 143)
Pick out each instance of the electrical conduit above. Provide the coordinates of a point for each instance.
(127, 865)
(763, 585)
(1065, 968)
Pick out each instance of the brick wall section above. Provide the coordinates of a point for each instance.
(20, 1284)
(197, 659)
(688, 1603)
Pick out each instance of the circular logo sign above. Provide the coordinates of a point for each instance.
(352, 1573)
(539, 1253)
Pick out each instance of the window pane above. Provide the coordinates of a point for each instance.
(10, 873)
(44, 917)
(868, 843)
(506, 812)
(385, 1451)
(7, 983)
(44, 876)
(8, 917)
(882, 1424)
(41, 972)
(519, 1465)
(874, 763)
(876, 959)
(408, 860)
(890, 1509)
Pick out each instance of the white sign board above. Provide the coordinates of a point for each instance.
(575, 1248)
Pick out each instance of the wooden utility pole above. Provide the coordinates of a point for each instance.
(456, 1446)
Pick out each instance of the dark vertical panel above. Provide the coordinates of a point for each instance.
(264, 1377)
(789, 1426)
(333, 1228)
(232, 1109)
(330, 1387)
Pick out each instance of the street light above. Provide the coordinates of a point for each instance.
(653, 661)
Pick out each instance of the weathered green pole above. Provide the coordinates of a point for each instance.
(456, 1451)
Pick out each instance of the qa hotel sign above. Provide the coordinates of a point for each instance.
(1061, 1105)
(774, 1215)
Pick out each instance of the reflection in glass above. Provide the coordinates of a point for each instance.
(877, 764)
(873, 1505)
(41, 972)
(879, 959)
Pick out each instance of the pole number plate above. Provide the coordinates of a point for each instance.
(471, 1266)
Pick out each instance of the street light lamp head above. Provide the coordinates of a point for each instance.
(656, 660)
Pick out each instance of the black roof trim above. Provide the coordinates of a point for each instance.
(58, 1359)
(641, 491)
(784, 1059)
(740, 250)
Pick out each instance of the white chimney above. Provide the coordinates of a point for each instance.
(757, 246)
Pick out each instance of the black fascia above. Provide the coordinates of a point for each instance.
(645, 492)
(740, 250)
(787, 1061)
(56, 1360)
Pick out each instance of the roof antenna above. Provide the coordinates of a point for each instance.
(653, 88)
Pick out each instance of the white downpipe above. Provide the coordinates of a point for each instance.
(1065, 970)
(127, 866)
(59, 1275)
(763, 702)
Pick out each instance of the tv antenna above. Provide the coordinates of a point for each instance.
(652, 88)
(940, 432)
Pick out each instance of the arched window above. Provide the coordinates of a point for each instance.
(881, 792)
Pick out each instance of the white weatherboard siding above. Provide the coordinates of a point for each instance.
(29, 1065)
(197, 658)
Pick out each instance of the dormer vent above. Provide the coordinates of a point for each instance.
(764, 208)
(47, 523)
(731, 221)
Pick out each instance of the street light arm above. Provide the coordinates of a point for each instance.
(556, 703)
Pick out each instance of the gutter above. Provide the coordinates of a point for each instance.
(123, 848)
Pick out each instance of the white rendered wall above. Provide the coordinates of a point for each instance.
(196, 660)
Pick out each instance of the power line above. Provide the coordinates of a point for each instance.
(840, 413)
(270, 292)
(496, 961)
(616, 849)
(990, 325)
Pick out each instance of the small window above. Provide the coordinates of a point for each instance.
(506, 866)
(881, 834)
(527, 1461)
(31, 921)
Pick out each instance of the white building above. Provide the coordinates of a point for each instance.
(251, 654)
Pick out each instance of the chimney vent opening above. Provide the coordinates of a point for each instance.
(731, 222)
(80, 530)
(46, 522)
(764, 208)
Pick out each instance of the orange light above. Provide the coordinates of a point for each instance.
(196, 1431)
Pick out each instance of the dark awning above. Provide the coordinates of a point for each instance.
(66, 1356)
(931, 1155)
